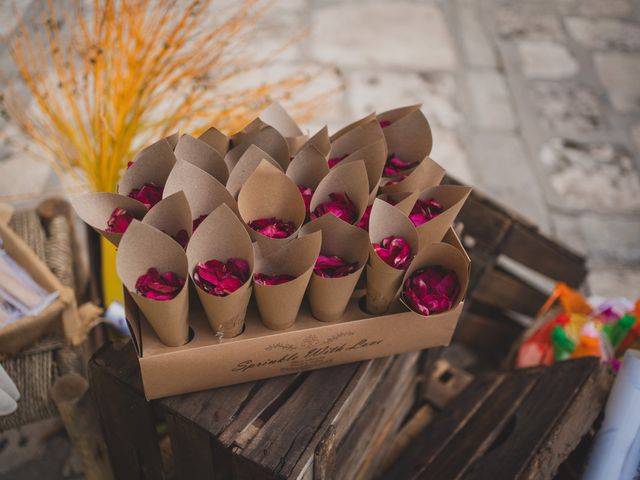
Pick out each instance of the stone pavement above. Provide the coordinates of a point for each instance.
(535, 102)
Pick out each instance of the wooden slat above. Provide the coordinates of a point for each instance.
(192, 450)
(545, 256)
(486, 225)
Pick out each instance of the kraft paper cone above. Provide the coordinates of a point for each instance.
(452, 198)
(267, 139)
(383, 280)
(344, 130)
(95, 209)
(328, 297)
(409, 134)
(403, 201)
(351, 179)
(374, 156)
(308, 167)
(279, 304)
(277, 117)
(222, 236)
(321, 141)
(170, 215)
(242, 135)
(270, 193)
(427, 174)
(246, 165)
(151, 165)
(173, 139)
(198, 153)
(216, 140)
(359, 137)
(443, 255)
(141, 248)
(204, 193)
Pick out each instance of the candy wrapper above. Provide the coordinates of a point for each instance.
(279, 304)
(222, 236)
(202, 155)
(173, 217)
(142, 248)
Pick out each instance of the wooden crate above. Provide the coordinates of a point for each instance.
(335, 422)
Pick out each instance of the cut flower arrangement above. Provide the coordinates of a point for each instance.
(284, 227)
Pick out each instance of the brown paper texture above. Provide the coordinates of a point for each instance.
(308, 167)
(170, 215)
(250, 128)
(277, 117)
(374, 156)
(409, 135)
(403, 201)
(444, 255)
(267, 139)
(427, 174)
(328, 297)
(355, 139)
(383, 280)
(201, 155)
(204, 193)
(222, 236)
(279, 304)
(321, 141)
(270, 193)
(173, 139)
(142, 247)
(95, 209)
(344, 130)
(351, 179)
(151, 165)
(216, 140)
(246, 165)
(452, 198)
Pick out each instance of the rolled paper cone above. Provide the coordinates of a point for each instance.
(222, 236)
(344, 130)
(452, 238)
(386, 221)
(143, 247)
(452, 198)
(151, 165)
(350, 179)
(374, 193)
(328, 297)
(321, 141)
(216, 140)
(95, 209)
(170, 215)
(198, 153)
(374, 156)
(267, 139)
(403, 201)
(204, 193)
(277, 117)
(308, 167)
(242, 135)
(446, 256)
(270, 193)
(409, 134)
(279, 304)
(246, 165)
(427, 174)
(173, 139)
(355, 139)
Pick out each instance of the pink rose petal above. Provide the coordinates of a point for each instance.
(221, 279)
(307, 193)
(395, 252)
(119, 221)
(395, 166)
(425, 210)
(155, 286)
(149, 194)
(333, 267)
(273, 227)
(339, 205)
(431, 290)
(334, 161)
(277, 279)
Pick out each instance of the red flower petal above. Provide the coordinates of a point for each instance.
(425, 210)
(119, 221)
(395, 252)
(273, 227)
(149, 194)
(395, 166)
(431, 290)
(364, 221)
(339, 205)
(277, 279)
(159, 287)
(196, 223)
(334, 161)
(307, 193)
(384, 123)
(333, 267)
(221, 279)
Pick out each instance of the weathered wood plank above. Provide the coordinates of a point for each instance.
(192, 450)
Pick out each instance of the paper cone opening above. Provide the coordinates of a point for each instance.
(222, 236)
(204, 193)
(267, 139)
(320, 140)
(386, 221)
(351, 179)
(143, 247)
(359, 137)
(173, 139)
(452, 198)
(446, 256)
(216, 140)
(279, 304)
(308, 167)
(198, 153)
(328, 297)
(344, 130)
(151, 165)
(427, 174)
(409, 134)
(403, 201)
(374, 156)
(246, 165)
(170, 215)
(95, 209)
(270, 193)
